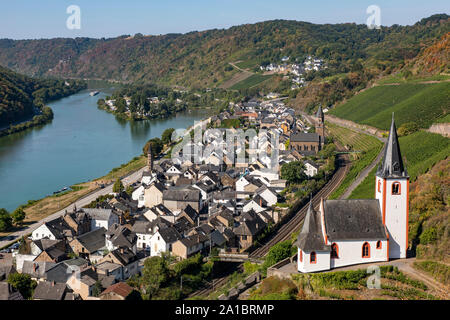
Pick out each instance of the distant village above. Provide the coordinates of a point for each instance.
(296, 70)
(178, 208)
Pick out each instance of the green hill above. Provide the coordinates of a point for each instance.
(22, 96)
(200, 59)
(411, 102)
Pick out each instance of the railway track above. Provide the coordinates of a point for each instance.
(285, 231)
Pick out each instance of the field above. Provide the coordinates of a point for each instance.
(421, 149)
(421, 103)
(369, 146)
(250, 81)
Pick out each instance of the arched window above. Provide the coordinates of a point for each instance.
(379, 185)
(334, 251)
(378, 244)
(396, 188)
(301, 256)
(312, 257)
(366, 250)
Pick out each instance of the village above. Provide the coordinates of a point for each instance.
(215, 204)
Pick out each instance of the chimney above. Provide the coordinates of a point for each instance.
(34, 267)
(53, 283)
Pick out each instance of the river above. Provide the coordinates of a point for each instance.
(80, 144)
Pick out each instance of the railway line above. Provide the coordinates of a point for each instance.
(292, 225)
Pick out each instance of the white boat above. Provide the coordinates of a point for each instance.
(94, 93)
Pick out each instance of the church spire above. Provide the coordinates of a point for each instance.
(319, 113)
(392, 165)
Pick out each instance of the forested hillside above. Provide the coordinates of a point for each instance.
(200, 59)
(22, 97)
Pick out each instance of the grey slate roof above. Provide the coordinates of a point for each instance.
(49, 291)
(319, 113)
(392, 165)
(169, 234)
(354, 220)
(9, 293)
(304, 137)
(99, 214)
(121, 236)
(310, 237)
(181, 194)
(93, 240)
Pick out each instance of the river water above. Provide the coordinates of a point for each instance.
(81, 143)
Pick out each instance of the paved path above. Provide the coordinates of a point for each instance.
(131, 178)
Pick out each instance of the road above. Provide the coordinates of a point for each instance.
(129, 179)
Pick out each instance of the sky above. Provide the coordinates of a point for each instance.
(35, 19)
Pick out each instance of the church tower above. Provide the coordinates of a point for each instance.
(392, 191)
(150, 158)
(320, 127)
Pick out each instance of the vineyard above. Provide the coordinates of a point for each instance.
(421, 150)
(368, 146)
(412, 102)
(250, 81)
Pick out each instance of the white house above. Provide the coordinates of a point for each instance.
(143, 231)
(43, 231)
(268, 194)
(138, 195)
(101, 217)
(311, 168)
(346, 232)
(162, 241)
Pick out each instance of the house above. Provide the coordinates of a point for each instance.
(54, 229)
(162, 240)
(257, 204)
(108, 268)
(48, 250)
(347, 232)
(49, 290)
(142, 229)
(118, 291)
(126, 258)
(186, 247)
(190, 214)
(176, 199)
(153, 195)
(250, 226)
(78, 221)
(89, 243)
(268, 194)
(311, 168)
(119, 236)
(36, 270)
(83, 282)
(101, 218)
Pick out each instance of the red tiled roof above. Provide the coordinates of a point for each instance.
(120, 288)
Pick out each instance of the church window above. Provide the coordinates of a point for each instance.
(312, 257)
(366, 250)
(379, 185)
(396, 188)
(301, 256)
(334, 251)
(378, 244)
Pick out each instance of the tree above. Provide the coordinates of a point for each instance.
(18, 216)
(129, 190)
(97, 289)
(154, 274)
(5, 220)
(157, 146)
(278, 252)
(118, 186)
(293, 172)
(166, 136)
(23, 283)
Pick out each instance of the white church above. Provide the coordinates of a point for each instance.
(347, 232)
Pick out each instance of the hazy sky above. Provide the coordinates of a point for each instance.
(31, 19)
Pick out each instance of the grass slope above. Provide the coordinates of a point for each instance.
(369, 146)
(421, 149)
(250, 81)
(411, 102)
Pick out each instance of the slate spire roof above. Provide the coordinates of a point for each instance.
(319, 113)
(392, 165)
(310, 238)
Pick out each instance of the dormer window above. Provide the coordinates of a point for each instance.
(396, 190)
